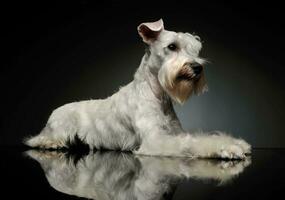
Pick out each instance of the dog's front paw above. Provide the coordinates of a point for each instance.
(219, 145)
(227, 147)
(231, 152)
(243, 145)
(237, 149)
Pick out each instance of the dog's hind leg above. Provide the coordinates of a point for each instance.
(47, 139)
(58, 132)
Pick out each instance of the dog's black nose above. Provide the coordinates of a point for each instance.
(197, 68)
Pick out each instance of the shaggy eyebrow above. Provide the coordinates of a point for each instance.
(176, 42)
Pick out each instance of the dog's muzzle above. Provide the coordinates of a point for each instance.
(190, 71)
(197, 68)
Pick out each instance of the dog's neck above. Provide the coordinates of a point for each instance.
(147, 74)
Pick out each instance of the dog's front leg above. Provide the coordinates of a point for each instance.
(158, 143)
(186, 145)
(218, 145)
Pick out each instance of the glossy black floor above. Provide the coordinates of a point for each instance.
(112, 175)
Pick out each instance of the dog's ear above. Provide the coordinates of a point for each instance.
(149, 31)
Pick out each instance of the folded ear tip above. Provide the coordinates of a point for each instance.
(149, 31)
(159, 22)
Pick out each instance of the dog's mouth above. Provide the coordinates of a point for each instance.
(186, 75)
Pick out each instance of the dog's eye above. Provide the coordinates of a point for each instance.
(172, 47)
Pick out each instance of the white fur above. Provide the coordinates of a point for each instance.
(113, 175)
(140, 116)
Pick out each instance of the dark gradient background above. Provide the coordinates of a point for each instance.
(59, 53)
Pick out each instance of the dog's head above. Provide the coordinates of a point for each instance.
(175, 58)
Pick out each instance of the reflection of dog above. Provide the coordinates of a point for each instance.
(113, 175)
(140, 116)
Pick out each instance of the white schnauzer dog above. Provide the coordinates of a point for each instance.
(140, 116)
